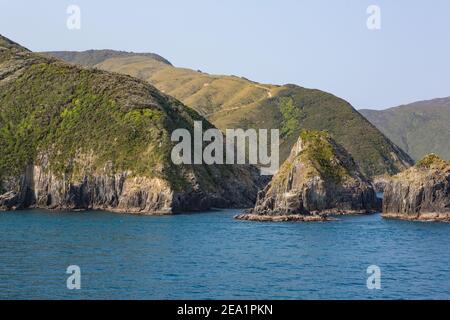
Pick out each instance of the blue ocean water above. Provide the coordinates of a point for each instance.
(212, 256)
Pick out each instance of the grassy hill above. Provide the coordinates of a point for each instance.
(418, 128)
(234, 102)
(92, 138)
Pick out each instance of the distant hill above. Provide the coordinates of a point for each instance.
(234, 102)
(418, 128)
(93, 57)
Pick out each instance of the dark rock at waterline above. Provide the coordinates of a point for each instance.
(283, 218)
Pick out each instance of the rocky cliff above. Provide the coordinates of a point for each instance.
(78, 138)
(420, 193)
(318, 178)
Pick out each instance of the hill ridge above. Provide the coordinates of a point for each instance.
(419, 128)
(94, 56)
(236, 102)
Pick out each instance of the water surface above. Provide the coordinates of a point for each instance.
(211, 256)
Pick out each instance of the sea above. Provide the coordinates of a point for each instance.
(210, 255)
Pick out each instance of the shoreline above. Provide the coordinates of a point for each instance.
(315, 216)
(283, 218)
(422, 217)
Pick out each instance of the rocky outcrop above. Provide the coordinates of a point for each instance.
(318, 178)
(420, 193)
(74, 138)
(379, 182)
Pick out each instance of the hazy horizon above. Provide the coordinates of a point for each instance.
(315, 44)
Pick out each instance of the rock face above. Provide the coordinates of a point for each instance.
(318, 178)
(121, 192)
(74, 138)
(380, 182)
(420, 193)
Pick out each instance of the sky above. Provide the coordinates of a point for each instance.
(313, 43)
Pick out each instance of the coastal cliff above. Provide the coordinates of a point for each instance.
(420, 193)
(318, 178)
(121, 192)
(74, 138)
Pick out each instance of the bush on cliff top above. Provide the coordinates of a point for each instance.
(431, 161)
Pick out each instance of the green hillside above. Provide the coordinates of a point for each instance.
(419, 128)
(75, 127)
(233, 102)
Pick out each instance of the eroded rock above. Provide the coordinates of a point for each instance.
(318, 178)
(420, 193)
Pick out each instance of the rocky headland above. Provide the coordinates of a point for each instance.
(420, 193)
(75, 138)
(318, 179)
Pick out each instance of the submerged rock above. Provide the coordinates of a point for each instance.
(283, 218)
(318, 178)
(420, 193)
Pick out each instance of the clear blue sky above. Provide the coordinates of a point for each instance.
(316, 43)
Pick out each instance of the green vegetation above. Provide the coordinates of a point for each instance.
(431, 161)
(233, 102)
(292, 116)
(419, 128)
(77, 122)
(322, 152)
(319, 156)
(66, 111)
